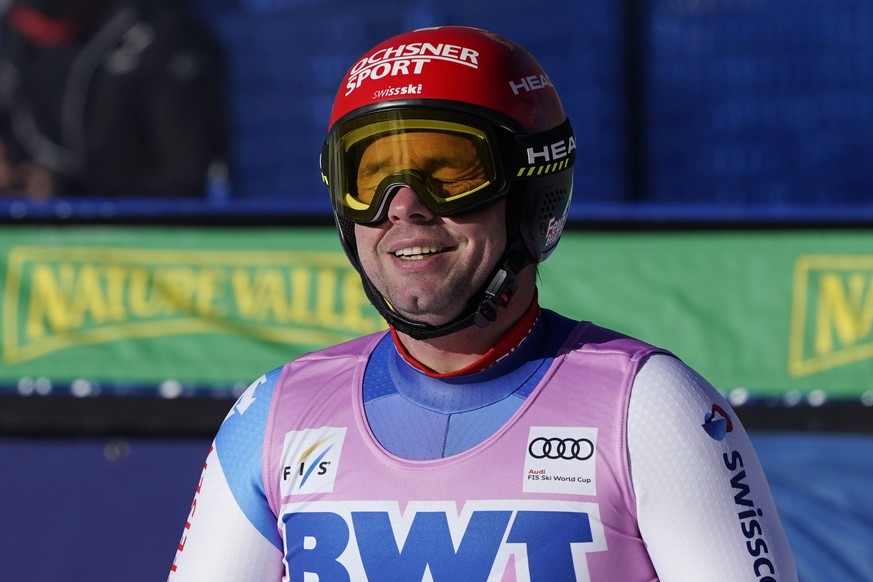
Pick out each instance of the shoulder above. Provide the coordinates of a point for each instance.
(585, 336)
(253, 406)
(247, 418)
(663, 377)
(351, 348)
(293, 380)
(666, 389)
(673, 405)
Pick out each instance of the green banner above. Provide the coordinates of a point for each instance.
(774, 313)
(146, 305)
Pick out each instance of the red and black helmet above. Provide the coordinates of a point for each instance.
(480, 86)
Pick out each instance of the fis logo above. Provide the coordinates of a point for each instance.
(310, 460)
(717, 423)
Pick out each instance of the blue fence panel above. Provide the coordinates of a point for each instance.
(759, 102)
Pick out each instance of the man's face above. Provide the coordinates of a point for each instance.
(425, 265)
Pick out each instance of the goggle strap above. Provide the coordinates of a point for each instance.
(324, 161)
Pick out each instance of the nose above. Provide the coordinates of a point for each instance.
(406, 206)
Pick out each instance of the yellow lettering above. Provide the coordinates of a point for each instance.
(325, 302)
(258, 298)
(243, 293)
(93, 296)
(144, 300)
(274, 293)
(67, 301)
(845, 311)
(89, 298)
(49, 301)
(355, 302)
(116, 278)
(301, 292)
(176, 287)
(210, 293)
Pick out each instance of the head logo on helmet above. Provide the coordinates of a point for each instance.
(477, 84)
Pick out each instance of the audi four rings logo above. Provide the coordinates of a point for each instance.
(561, 448)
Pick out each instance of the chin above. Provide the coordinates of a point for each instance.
(436, 317)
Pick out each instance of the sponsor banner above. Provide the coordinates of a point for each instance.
(145, 305)
(782, 314)
(786, 314)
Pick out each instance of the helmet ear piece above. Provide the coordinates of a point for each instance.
(346, 230)
(542, 213)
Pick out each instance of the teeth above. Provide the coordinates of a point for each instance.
(416, 252)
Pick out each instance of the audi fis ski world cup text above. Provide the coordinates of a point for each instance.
(561, 460)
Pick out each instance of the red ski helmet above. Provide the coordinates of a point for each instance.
(484, 89)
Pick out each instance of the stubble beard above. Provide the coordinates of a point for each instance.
(432, 304)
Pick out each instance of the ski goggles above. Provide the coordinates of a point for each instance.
(454, 162)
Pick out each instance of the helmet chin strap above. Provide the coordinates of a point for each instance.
(481, 309)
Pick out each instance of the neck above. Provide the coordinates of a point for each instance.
(473, 348)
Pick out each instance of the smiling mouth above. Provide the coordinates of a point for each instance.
(417, 253)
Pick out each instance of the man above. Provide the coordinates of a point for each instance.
(483, 438)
